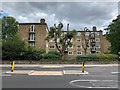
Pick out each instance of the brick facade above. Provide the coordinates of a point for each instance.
(34, 34)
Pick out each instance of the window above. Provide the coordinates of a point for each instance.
(51, 40)
(79, 53)
(87, 33)
(96, 33)
(52, 47)
(32, 28)
(97, 46)
(78, 49)
(97, 40)
(70, 46)
(88, 52)
(65, 32)
(98, 51)
(32, 37)
(32, 44)
(78, 40)
(70, 53)
(78, 34)
(78, 46)
(72, 40)
(59, 46)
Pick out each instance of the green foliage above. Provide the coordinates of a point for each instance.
(113, 35)
(54, 52)
(97, 57)
(52, 56)
(56, 34)
(31, 53)
(12, 48)
(9, 27)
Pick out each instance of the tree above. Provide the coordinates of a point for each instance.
(9, 27)
(12, 48)
(12, 44)
(56, 34)
(85, 41)
(113, 34)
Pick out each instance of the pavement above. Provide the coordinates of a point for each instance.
(61, 72)
(58, 65)
(32, 72)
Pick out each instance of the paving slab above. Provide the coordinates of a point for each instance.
(52, 66)
(20, 72)
(74, 72)
(47, 73)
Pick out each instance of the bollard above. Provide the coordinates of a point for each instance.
(12, 66)
(82, 67)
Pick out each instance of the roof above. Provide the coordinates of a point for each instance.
(32, 24)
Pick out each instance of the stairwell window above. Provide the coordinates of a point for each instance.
(32, 28)
(31, 37)
(32, 44)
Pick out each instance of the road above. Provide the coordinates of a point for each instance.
(98, 77)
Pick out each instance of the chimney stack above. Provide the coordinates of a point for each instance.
(94, 28)
(42, 21)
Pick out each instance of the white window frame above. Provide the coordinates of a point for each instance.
(97, 45)
(78, 40)
(98, 51)
(59, 46)
(97, 33)
(70, 47)
(78, 33)
(32, 29)
(32, 37)
(32, 44)
(79, 53)
(97, 39)
(51, 40)
(79, 45)
(87, 52)
(70, 53)
(87, 33)
(51, 46)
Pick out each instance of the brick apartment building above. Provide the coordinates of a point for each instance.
(34, 34)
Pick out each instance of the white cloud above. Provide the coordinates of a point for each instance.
(78, 15)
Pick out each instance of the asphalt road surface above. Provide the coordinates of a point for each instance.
(98, 77)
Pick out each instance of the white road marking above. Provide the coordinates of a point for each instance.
(72, 83)
(4, 75)
(115, 72)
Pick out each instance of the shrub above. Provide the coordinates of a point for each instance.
(12, 48)
(97, 57)
(51, 55)
(81, 58)
(32, 54)
(102, 56)
(54, 52)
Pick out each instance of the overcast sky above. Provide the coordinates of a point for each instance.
(77, 14)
